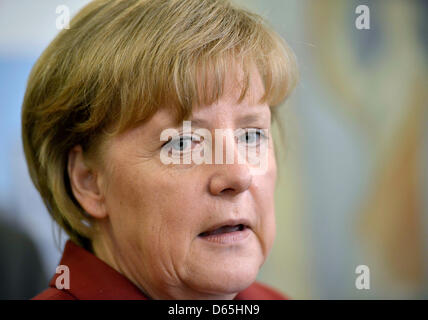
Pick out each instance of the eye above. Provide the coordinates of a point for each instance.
(252, 136)
(182, 144)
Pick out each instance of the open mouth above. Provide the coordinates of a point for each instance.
(223, 230)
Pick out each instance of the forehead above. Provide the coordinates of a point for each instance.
(229, 105)
(225, 113)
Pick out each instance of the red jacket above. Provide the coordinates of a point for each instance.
(93, 279)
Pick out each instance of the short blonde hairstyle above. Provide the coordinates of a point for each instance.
(120, 62)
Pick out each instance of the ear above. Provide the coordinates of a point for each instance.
(84, 183)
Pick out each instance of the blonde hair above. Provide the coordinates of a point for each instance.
(120, 62)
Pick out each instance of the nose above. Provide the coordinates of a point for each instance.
(230, 178)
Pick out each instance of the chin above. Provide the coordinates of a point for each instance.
(231, 279)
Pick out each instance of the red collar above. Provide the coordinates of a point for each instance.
(93, 279)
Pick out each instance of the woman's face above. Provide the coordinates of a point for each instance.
(160, 218)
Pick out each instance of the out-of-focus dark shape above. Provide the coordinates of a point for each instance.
(21, 271)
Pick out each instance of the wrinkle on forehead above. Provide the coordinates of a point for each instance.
(239, 88)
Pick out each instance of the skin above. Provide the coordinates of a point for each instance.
(149, 215)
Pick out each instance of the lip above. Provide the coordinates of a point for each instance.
(228, 237)
(229, 222)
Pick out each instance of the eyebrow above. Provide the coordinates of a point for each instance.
(256, 118)
(244, 120)
(252, 118)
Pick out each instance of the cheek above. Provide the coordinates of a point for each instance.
(265, 202)
(149, 205)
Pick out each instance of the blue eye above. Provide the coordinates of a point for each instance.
(181, 144)
(252, 136)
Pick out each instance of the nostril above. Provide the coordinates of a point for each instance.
(227, 190)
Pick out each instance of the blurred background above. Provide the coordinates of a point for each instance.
(353, 186)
